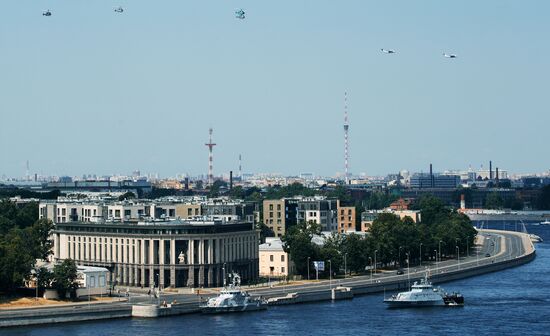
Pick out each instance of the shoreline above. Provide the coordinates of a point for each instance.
(305, 292)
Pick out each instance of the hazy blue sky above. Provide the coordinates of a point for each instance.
(91, 91)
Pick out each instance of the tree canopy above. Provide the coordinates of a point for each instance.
(23, 239)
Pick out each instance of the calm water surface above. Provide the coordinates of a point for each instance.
(514, 301)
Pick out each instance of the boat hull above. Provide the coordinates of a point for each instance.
(413, 304)
(233, 309)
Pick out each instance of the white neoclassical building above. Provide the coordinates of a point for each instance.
(169, 253)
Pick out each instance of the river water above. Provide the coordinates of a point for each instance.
(514, 301)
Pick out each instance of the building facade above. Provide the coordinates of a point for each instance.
(274, 261)
(169, 253)
(319, 210)
(346, 219)
(279, 215)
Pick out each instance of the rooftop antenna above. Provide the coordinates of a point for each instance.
(210, 146)
(346, 139)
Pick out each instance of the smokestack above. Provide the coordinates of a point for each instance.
(431, 177)
(490, 170)
(231, 180)
(497, 175)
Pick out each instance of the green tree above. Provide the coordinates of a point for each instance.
(494, 201)
(297, 241)
(16, 258)
(44, 278)
(64, 278)
(357, 250)
(41, 231)
(331, 252)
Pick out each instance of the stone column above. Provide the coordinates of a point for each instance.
(191, 263)
(172, 263)
(151, 261)
(161, 262)
(142, 262)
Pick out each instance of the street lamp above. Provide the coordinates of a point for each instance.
(408, 270)
(308, 267)
(330, 273)
(223, 274)
(435, 255)
(375, 251)
(458, 256)
(420, 254)
(345, 265)
(399, 256)
(370, 259)
(440, 250)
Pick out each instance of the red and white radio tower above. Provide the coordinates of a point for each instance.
(346, 139)
(210, 145)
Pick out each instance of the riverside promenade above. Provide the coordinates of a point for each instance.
(506, 249)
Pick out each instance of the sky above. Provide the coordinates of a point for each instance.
(90, 91)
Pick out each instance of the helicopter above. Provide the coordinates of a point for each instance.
(239, 14)
(119, 9)
(47, 13)
(449, 55)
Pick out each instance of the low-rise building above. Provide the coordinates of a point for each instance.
(274, 261)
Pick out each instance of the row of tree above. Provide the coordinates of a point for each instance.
(23, 239)
(391, 241)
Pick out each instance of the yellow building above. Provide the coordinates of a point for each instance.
(274, 261)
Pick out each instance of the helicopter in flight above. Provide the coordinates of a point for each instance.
(119, 9)
(47, 13)
(240, 14)
(449, 55)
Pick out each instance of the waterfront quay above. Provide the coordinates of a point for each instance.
(506, 249)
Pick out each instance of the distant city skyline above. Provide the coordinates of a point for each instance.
(90, 91)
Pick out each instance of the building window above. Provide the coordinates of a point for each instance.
(282, 269)
(271, 257)
(282, 258)
(271, 207)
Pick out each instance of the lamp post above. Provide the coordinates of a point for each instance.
(435, 255)
(223, 274)
(158, 288)
(458, 256)
(345, 265)
(399, 256)
(308, 267)
(375, 251)
(36, 270)
(440, 250)
(330, 273)
(420, 254)
(370, 259)
(408, 270)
